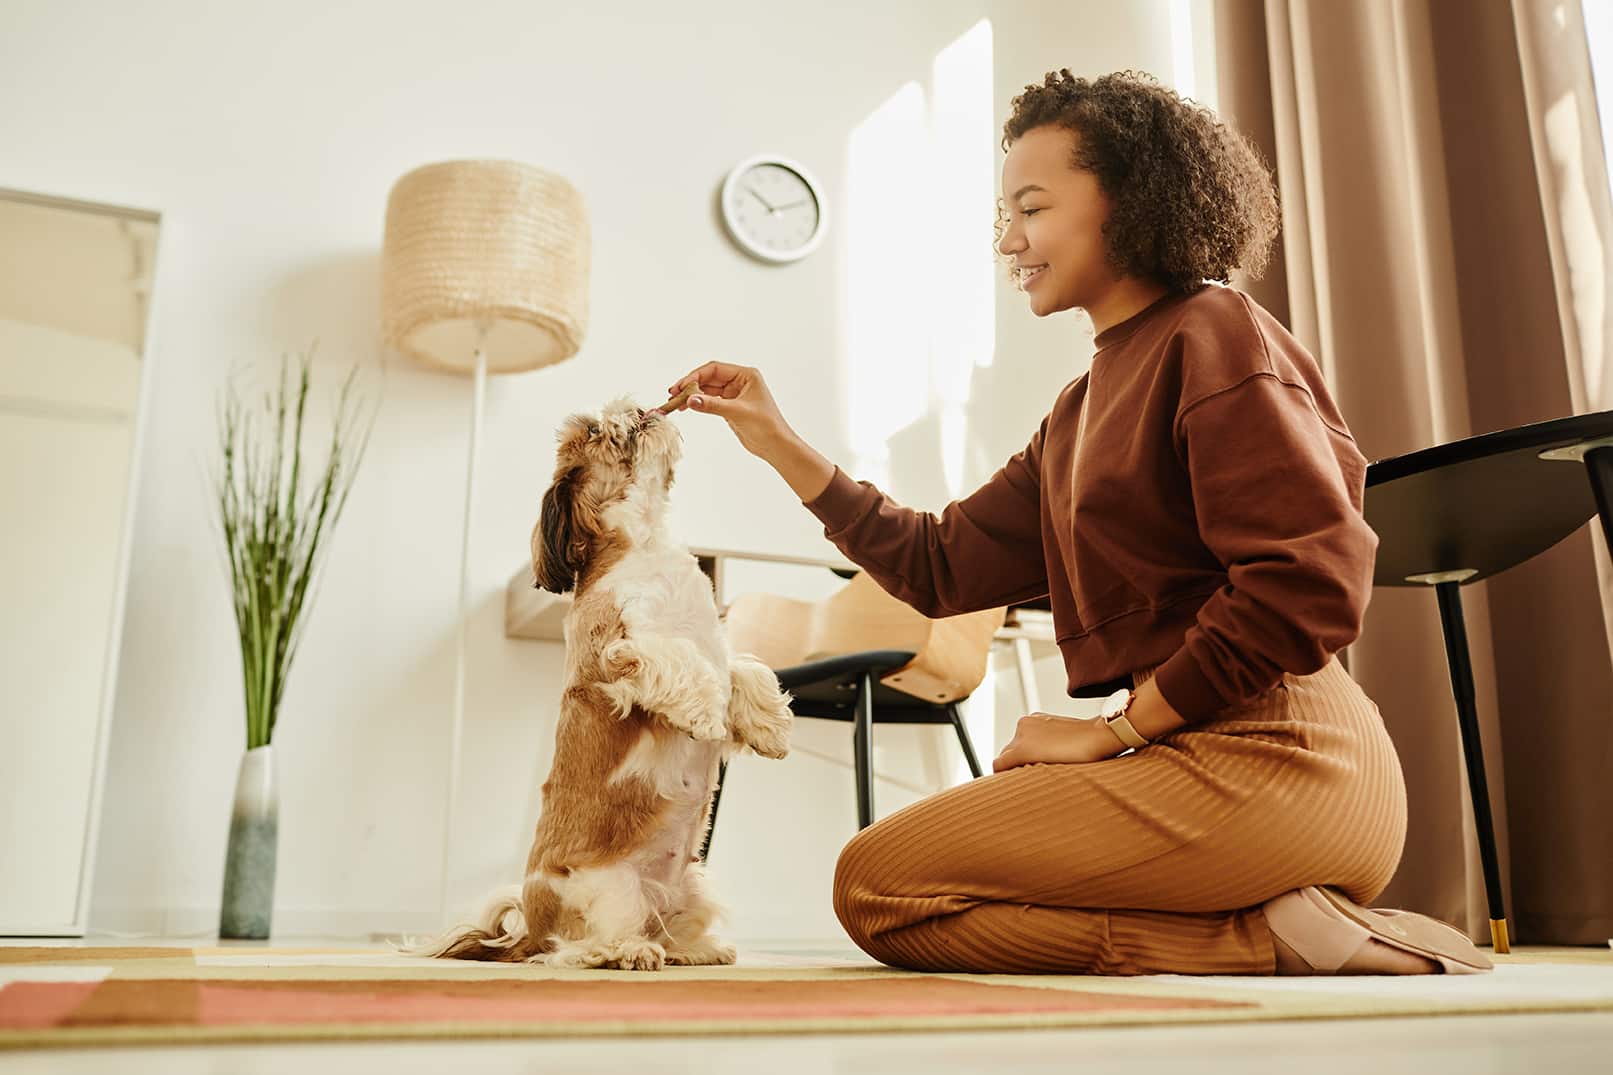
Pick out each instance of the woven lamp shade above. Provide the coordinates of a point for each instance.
(485, 253)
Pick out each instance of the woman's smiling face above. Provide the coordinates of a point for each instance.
(1053, 227)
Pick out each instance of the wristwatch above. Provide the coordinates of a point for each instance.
(1114, 715)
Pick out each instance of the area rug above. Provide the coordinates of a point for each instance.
(74, 996)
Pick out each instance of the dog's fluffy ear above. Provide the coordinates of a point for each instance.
(557, 552)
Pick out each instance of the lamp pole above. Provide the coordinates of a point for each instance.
(456, 734)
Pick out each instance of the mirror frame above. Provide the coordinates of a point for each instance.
(107, 702)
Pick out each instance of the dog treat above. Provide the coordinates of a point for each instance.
(679, 401)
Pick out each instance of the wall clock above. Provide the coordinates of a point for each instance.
(773, 209)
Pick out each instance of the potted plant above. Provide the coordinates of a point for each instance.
(276, 512)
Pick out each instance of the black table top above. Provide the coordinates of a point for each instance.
(1484, 504)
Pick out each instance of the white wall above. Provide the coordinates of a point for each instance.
(268, 137)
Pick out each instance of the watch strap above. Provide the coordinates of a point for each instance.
(1121, 726)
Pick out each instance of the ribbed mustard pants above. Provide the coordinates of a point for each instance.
(1155, 862)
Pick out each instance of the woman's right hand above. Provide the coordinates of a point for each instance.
(739, 396)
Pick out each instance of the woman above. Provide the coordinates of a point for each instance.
(1192, 507)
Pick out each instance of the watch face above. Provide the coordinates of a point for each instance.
(772, 210)
(1116, 703)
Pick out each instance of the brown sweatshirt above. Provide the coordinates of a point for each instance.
(1192, 502)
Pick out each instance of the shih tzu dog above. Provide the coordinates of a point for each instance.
(653, 701)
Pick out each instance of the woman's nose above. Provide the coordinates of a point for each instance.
(1010, 242)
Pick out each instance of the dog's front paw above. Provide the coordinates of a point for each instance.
(769, 733)
(762, 720)
(707, 729)
(702, 710)
(621, 659)
(758, 712)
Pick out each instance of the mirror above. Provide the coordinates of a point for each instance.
(75, 288)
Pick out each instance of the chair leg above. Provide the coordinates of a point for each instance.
(963, 741)
(1456, 653)
(862, 751)
(711, 822)
(1599, 465)
(1025, 660)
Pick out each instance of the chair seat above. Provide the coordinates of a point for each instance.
(845, 667)
(827, 689)
(832, 689)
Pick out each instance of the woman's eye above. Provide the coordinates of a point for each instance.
(1029, 212)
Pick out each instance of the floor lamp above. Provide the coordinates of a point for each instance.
(484, 270)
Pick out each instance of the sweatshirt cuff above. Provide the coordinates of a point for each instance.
(837, 506)
(1187, 688)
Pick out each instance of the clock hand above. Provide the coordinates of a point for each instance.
(792, 205)
(761, 199)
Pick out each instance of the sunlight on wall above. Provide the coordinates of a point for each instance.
(1599, 43)
(1193, 52)
(887, 305)
(920, 276)
(920, 300)
(1183, 73)
(963, 142)
(1582, 245)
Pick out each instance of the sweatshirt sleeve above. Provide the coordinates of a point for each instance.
(983, 551)
(1277, 493)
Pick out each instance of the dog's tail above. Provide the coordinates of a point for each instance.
(512, 928)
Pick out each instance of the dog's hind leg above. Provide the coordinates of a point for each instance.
(686, 929)
(670, 677)
(611, 914)
(758, 711)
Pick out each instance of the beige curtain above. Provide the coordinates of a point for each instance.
(1445, 253)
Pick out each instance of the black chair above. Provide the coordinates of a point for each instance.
(1460, 512)
(847, 688)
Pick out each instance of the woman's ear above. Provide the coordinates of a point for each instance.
(557, 555)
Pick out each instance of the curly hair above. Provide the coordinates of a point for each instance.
(1191, 198)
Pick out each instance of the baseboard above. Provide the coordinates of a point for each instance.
(201, 923)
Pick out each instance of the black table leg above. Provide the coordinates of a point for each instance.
(963, 740)
(1599, 465)
(862, 750)
(711, 822)
(1467, 715)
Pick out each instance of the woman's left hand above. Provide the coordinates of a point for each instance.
(1058, 740)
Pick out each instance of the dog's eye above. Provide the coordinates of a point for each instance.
(593, 429)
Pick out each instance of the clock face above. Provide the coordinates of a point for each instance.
(772, 209)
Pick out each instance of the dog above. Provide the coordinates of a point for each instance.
(654, 700)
